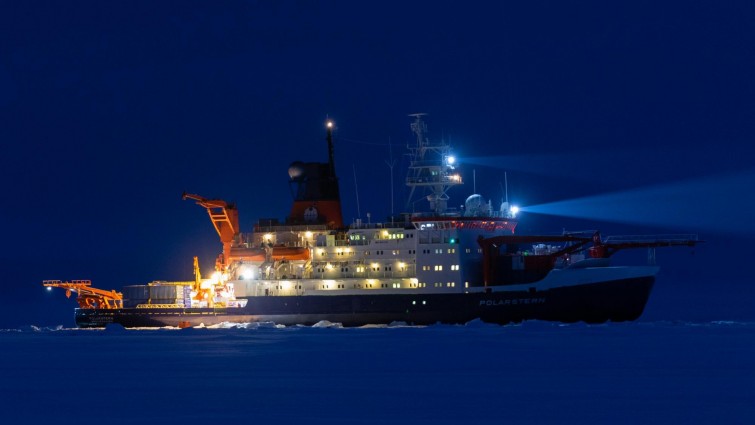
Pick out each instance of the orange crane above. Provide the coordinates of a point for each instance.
(225, 218)
(88, 297)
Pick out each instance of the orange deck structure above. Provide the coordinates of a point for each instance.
(225, 218)
(88, 297)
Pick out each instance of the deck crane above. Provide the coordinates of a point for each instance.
(88, 297)
(572, 243)
(612, 244)
(225, 218)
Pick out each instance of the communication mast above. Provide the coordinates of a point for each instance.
(431, 168)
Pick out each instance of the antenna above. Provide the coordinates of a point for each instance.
(431, 169)
(506, 179)
(329, 138)
(391, 162)
(356, 189)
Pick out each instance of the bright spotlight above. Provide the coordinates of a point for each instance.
(245, 272)
(49, 288)
(216, 276)
(514, 210)
(451, 160)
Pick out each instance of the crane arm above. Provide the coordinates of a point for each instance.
(88, 297)
(207, 203)
(224, 217)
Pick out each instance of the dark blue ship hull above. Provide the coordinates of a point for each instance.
(616, 300)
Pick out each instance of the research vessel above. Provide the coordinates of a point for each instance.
(441, 265)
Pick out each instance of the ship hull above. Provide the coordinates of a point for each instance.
(596, 302)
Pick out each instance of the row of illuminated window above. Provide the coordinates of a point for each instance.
(339, 251)
(361, 269)
(385, 234)
(388, 235)
(435, 285)
(391, 252)
(348, 251)
(394, 285)
(439, 268)
(329, 265)
(424, 285)
(440, 251)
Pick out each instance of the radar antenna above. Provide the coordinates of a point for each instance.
(431, 167)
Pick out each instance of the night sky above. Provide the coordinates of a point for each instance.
(110, 110)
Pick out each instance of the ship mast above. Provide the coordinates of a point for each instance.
(329, 138)
(431, 168)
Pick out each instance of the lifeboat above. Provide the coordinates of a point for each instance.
(247, 254)
(290, 253)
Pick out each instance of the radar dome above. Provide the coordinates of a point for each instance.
(474, 206)
(295, 170)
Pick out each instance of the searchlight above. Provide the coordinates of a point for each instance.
(514, 210)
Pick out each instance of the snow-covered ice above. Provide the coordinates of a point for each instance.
(536, 372)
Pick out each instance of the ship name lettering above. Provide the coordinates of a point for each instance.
(513, 301)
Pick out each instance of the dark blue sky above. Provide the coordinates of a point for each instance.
(109, 110)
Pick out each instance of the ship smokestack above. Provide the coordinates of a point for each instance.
(317, 199)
